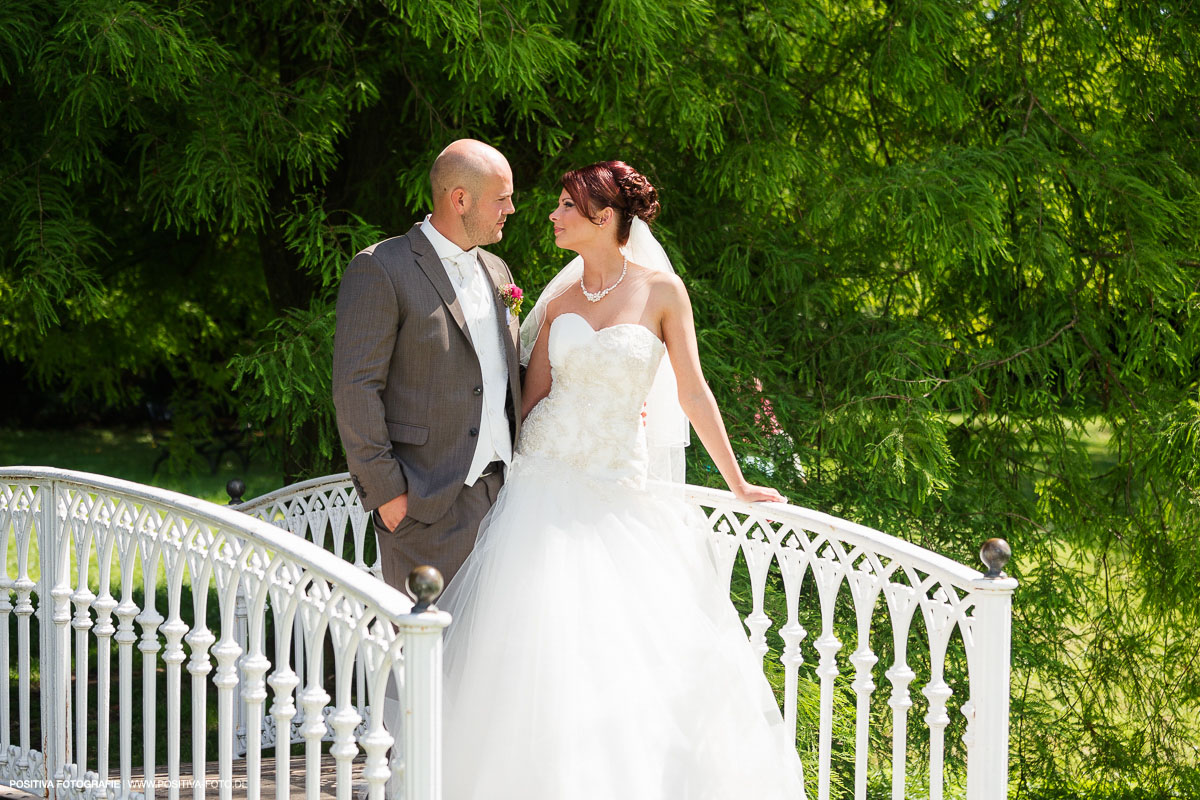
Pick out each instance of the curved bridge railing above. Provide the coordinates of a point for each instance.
(91, 565)
(874, 584)
(824, 579)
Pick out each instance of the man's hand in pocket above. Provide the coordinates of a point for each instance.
(394, 511)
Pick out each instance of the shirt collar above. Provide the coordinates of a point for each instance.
(446, 249)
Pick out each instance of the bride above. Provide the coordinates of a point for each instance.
(592, 655)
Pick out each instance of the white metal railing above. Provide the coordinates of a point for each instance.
(328, 514)
(852, 567)
(864, 581)
(81, 540)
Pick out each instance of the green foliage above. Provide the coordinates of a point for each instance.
(957, 245)
(294, 360)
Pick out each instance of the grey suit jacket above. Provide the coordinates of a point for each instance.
(407, 384)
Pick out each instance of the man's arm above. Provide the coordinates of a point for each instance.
(368, 319)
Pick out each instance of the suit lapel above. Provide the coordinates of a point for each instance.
(427, 259)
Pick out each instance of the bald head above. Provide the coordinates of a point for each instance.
(472, 192)
(465, 164)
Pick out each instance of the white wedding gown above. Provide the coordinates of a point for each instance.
(592, 654)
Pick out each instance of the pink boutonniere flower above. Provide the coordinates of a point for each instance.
(512, 296)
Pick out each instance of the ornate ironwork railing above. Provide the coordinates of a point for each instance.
(91, 565)
(865, 574)
(836, 576)
(324, 511)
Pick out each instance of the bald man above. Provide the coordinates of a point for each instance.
(425, 368)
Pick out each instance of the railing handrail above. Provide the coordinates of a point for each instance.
(914, 555)
(255, 503)
(943, 567)
(372, 592)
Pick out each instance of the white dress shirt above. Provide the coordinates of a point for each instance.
(474, 292)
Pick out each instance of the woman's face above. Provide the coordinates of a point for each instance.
(571, 227)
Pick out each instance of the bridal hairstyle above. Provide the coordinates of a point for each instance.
(615, 185)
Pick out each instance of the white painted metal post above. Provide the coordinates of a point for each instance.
(41, 513)
(24, 509)
(8, 499)
(241, 635)
(422, 736)
(55, 618)
(81, 519)
(987, 753)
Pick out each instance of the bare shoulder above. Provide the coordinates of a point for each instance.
(666, 289)
(554, 306)
(657, 278)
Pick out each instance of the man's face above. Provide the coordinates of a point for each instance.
(483, 222)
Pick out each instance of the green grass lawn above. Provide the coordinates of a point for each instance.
(127, 453)
(130, 453)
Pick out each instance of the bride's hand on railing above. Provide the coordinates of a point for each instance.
(749, 493)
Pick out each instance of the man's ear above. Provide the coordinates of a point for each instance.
(460, 200)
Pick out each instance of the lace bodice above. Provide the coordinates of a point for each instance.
(591, 419)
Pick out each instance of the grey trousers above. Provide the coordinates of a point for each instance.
(444, 544)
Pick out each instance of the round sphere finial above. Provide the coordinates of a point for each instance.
(425, 583)
(995, 553)
(235, 489)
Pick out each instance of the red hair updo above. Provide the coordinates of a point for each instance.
(615, 185)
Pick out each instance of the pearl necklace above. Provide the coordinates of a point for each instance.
(596, 297)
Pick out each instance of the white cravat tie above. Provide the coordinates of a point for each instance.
(465, 264)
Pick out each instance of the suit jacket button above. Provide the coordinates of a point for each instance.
(474, 431)
(478, 391)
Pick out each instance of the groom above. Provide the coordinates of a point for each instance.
(425, 368)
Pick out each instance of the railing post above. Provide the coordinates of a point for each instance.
(422, 728)
(54, 614)
(43, 517)
(987, 749)
(235, 489)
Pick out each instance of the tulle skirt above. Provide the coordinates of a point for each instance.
(593, 656)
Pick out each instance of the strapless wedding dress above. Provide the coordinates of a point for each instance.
(592, 654)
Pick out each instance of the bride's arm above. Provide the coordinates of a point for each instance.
(679, 333)
(537, 374)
